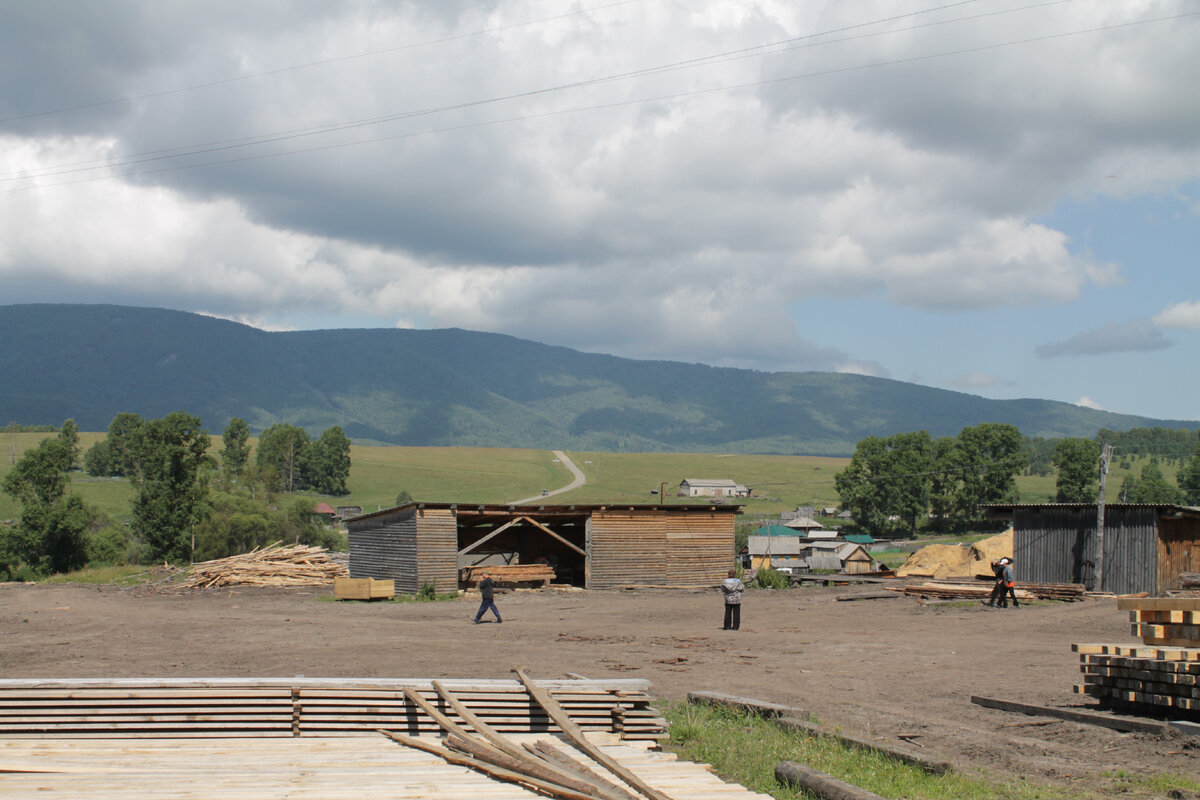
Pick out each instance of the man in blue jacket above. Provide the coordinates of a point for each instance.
(487, 591)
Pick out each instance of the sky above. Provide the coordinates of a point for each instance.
(999, 197)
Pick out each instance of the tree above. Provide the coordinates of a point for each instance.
(1150, 488)
(282, 447)
(1077, 462)
(887, 481)
(121, 431)
(69, 435)
(167, 458)
(1189, 479)
(327, 463)
(97, 461)
(51, 536)
(237, 447)
(989, 457)
(944, 484)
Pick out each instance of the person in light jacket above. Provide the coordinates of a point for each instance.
(732, 588)
(1010, 585)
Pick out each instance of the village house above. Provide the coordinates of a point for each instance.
(712, 487)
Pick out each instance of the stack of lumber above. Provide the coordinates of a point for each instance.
(296, 565)
(1162, 676)
(323, 707)
(509, 575)
(968, 589)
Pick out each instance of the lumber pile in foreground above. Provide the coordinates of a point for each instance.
(968, 589)
(323, 707)
(295, 565)
(1159, 677)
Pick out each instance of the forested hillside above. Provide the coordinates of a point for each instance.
(462, 388)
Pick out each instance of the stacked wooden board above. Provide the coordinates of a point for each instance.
(509, 575)
(1159, 677)
(967, 588)
(321, 707)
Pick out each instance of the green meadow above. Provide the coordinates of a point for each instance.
(500, 475)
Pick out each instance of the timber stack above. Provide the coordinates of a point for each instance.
(971, 589)
(1159, 677)
(296, 565)
(509, 575)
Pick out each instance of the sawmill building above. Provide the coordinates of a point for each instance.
(591, 546)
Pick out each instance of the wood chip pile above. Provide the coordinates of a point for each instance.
(295, 565)
(940, 561)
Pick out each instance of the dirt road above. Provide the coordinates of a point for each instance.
(873, 667)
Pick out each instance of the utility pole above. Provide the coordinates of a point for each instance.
(1105, 458)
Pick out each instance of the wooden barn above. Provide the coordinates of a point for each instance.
(1146, 547)
(592, 546)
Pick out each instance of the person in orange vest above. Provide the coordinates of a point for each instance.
(1009, 585)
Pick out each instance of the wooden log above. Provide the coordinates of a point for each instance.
(820, 784)
(932, 766)
(1136, 726)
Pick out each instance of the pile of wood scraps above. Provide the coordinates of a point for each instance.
(972, 589)
(274, 565)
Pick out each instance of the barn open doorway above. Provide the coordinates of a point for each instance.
(523, 537)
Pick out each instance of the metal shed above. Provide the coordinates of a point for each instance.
(1146, 547)
(594, 546)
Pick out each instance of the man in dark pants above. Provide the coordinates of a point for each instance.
(732, 588)
(998, 589)
(1009, 585)
(487, 591)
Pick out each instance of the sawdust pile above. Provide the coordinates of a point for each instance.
(956, 561)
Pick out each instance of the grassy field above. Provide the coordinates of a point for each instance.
(497, 475)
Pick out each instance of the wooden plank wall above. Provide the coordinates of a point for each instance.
(659, 548)
(1178, 550)
(385, 547)
(437, 549)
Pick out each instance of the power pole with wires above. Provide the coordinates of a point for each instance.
(1105, 458)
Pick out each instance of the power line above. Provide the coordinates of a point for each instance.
(615, 104)
(283, 136)
(310, 64)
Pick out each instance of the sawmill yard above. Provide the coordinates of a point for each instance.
(879, 666)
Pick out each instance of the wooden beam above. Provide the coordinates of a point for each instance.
(1136, 726)
(542, 527)
(824, 786)
(490, 536)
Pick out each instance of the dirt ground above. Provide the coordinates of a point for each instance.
(876, 668)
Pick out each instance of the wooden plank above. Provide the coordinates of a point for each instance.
(1138, 726)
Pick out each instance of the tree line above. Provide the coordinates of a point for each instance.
(896, 484)
(186, 504)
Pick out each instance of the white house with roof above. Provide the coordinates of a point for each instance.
(712, 487)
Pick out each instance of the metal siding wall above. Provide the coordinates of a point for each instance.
(1056, 545)
(437, 549)
(385, 548)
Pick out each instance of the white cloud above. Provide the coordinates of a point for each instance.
(1185, 315)
(1087, 402)
(595, 216)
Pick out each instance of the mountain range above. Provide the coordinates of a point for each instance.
(463, 388)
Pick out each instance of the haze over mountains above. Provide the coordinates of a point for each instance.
(455, 387)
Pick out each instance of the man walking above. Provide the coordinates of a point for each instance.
(732, 588)
(1010, 586)
(487, 591)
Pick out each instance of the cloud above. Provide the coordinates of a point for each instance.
(1138, 335)
(416, 164)
(1087, 402)
(1184, 315)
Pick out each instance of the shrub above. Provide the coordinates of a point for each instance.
(107, 546)
(772, 579)
(428, 591)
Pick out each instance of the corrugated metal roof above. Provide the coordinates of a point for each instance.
(576, 508)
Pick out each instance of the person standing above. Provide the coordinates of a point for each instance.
(1009, 586)
(998, 588)
(487, 591)
(732, 587)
